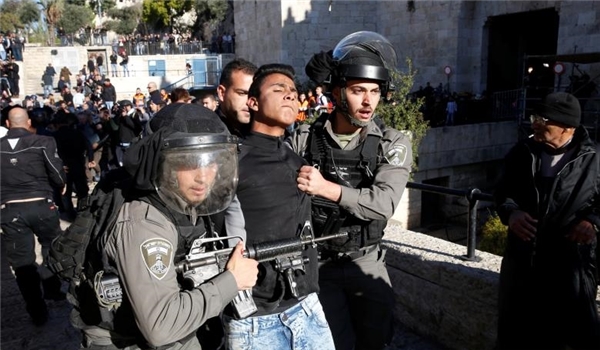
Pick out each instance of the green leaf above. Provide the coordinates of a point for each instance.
(405, 112)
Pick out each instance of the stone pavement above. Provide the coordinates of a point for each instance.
(18, 332)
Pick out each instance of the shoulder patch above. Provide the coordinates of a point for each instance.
(397, 155)
(157, 254)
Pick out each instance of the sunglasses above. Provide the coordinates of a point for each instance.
(538, 119)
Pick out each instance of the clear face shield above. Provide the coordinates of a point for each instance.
(198, 173)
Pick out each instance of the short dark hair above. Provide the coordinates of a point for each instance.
(264, 71)
(208, 94)
(179, 94)
(237, 65)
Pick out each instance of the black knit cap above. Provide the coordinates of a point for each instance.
(124, 103)
(560, 107)
(189, 118)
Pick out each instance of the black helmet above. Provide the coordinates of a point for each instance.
(363, 55)
(360, 55)
(187, 139)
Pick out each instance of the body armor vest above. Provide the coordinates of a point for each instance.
(350, 168)
(187, 232)
(121, 319)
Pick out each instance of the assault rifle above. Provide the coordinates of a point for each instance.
(201, 265)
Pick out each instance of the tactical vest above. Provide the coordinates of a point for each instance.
(121, 319)
(350, 168)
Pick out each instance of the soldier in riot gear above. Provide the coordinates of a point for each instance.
(358, 171)
(178, 180)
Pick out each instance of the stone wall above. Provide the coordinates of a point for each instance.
(434, 35)
(439, 294)
(36, 58)
(454, 33)
(258, 31)
(468, 155)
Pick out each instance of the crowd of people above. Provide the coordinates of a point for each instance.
(12, 45)
(239, 167)
(154, 44)
(101, 127)
(256, 104)
(9, 80)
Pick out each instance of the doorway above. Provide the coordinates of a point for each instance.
(511, 38)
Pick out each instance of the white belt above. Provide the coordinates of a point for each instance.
(27, 200)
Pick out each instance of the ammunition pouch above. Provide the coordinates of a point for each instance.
(329, 218)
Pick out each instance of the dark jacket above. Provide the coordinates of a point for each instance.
(109, 93)
(274, 208)
(575, 192)
(48, 76)
(73, 148)
(239, 131)
(31, 169)
(155, 96)
(548, 284)
(13, 71)
(130, 127)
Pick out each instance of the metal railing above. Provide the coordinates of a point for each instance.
(507, 104)
(161, 48)
(185, 82)
(473, 196)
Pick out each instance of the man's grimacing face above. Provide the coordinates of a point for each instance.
(278, 101)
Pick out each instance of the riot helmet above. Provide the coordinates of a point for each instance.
(364, 55)
(189, 159)
(198, 173)
(360, 55)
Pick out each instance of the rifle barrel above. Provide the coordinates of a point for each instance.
(328, 237)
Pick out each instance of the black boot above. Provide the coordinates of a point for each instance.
(28, 281)
(52, 290)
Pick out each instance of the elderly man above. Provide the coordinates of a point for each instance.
(549, 196)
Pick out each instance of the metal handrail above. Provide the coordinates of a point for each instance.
(179, 83)
(473, 196)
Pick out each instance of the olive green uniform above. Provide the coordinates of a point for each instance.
(142, 247)
(356, 291)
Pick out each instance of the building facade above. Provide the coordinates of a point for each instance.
(484, 43)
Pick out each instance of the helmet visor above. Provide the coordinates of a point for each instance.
(366, 41)
(203, 177)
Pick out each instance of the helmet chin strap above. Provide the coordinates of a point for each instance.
(344, 110)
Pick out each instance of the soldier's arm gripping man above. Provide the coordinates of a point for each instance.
(184, 182)
(359, 169)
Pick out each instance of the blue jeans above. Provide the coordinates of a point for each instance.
(48, 89)
(301, 327)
